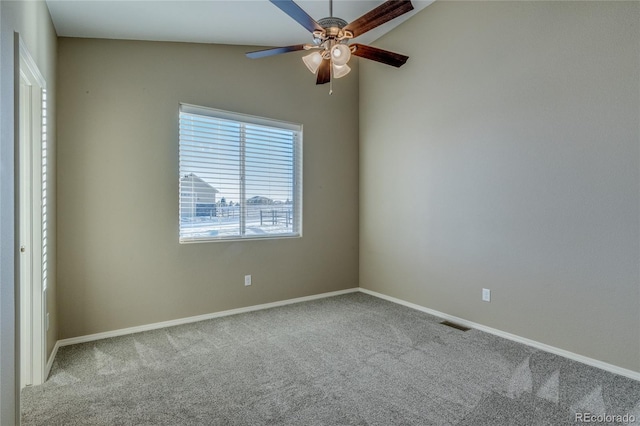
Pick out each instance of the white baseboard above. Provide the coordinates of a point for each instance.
(52, 357)
(180, 321)
(542, 346)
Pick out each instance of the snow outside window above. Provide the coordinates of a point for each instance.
(240, 176)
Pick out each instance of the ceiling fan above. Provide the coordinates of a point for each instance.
(331, 38)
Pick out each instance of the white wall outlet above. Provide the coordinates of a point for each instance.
(247, 280)
(486, 295)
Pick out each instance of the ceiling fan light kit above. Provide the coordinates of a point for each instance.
(331, 38)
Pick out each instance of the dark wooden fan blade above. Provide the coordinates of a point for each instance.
(324, 72)
(385, 12)
(375, 54)
(274, 51)
(299, 15)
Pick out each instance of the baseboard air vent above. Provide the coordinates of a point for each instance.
(454, 325)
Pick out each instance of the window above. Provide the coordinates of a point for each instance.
(240, 176)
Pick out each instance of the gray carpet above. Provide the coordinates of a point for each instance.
(346, 360)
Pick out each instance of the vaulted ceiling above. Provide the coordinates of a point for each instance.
(246, 22)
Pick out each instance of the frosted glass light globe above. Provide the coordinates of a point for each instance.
(340, 70)
(313, 61)
(340, 54)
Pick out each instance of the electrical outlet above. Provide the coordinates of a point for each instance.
(486, 295)
(247, 280)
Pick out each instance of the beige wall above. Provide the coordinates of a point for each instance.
(505, 155)
(31, 20)
(120, 264)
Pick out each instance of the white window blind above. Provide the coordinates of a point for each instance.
(240, 176)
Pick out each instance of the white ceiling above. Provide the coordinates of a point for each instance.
(246, 22)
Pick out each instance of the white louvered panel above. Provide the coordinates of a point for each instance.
(44, 155)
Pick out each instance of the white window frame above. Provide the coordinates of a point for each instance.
(297, 174)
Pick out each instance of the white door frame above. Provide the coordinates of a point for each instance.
(32, 301)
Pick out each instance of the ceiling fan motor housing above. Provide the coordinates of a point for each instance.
(332, 29)
(332, 22)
